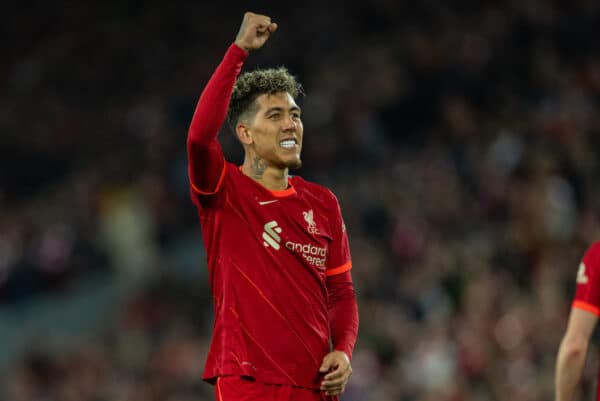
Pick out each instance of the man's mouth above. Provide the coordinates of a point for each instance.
(289, 143)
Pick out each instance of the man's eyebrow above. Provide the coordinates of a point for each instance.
(277, 108)
(272, 109)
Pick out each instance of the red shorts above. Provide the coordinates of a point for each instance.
(235, 388)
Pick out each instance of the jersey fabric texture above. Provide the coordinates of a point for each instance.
(234, 388)
(269, 253)
(587, 295)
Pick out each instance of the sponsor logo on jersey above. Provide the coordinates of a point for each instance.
(582, 278)
(314, 255)
(267, 202)
(271, 235)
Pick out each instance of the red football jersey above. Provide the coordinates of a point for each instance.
(269, 253)
(587, 295)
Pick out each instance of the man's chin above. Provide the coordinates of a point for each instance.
(295, 164)
(292, 164)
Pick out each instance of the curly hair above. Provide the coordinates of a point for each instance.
(252, 84)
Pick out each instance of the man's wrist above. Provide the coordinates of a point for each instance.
(241, 47)
(345, 354)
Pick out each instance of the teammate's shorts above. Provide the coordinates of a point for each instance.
(235, 388)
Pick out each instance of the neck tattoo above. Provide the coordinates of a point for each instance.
(258, 167)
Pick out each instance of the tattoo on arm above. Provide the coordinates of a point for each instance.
(258, 167)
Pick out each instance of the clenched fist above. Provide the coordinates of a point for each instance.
(255, 31)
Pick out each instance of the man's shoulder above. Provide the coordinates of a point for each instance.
(234, 171)
(593, 251)
(310, 188)
(232, 166)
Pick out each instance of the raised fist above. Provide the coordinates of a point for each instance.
(255, 31)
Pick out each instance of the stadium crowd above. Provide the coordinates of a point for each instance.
(461, 138)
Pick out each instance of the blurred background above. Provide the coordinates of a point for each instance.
(461, 138)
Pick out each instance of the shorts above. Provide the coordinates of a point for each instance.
(235, 388)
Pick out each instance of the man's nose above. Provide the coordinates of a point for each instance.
(289, 123)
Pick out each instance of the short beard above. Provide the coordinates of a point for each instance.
(289, 164)
(295, 165)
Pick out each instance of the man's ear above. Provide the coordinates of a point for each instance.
(243, 133)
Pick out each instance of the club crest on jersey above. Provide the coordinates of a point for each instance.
(309, 218)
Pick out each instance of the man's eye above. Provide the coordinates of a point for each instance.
(295, 115)
(274, 116)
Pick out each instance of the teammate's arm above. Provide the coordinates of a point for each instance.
(205, 157)
(572, 353)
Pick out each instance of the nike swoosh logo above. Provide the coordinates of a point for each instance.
(267, 202)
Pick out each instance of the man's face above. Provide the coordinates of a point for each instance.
(277, 130)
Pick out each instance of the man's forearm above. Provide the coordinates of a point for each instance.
(343, 312)
(569, 366)
(205, 157)
(213, 104)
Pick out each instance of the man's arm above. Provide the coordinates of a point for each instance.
(343, 319)
(342, 308)
(343, 312)
(572, 353)
(205, 157)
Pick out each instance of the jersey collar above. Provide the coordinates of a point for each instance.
(282, 193)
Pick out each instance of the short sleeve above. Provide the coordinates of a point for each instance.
(338, 260)
(587, 294)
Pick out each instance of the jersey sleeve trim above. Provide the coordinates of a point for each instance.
(340, 269)
(219, 396)
(586, 307)
(217, 188)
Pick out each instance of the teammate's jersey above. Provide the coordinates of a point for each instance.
(269, 253)
(587, 295)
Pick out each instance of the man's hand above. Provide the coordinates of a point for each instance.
(255, 31)
(337, 366)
